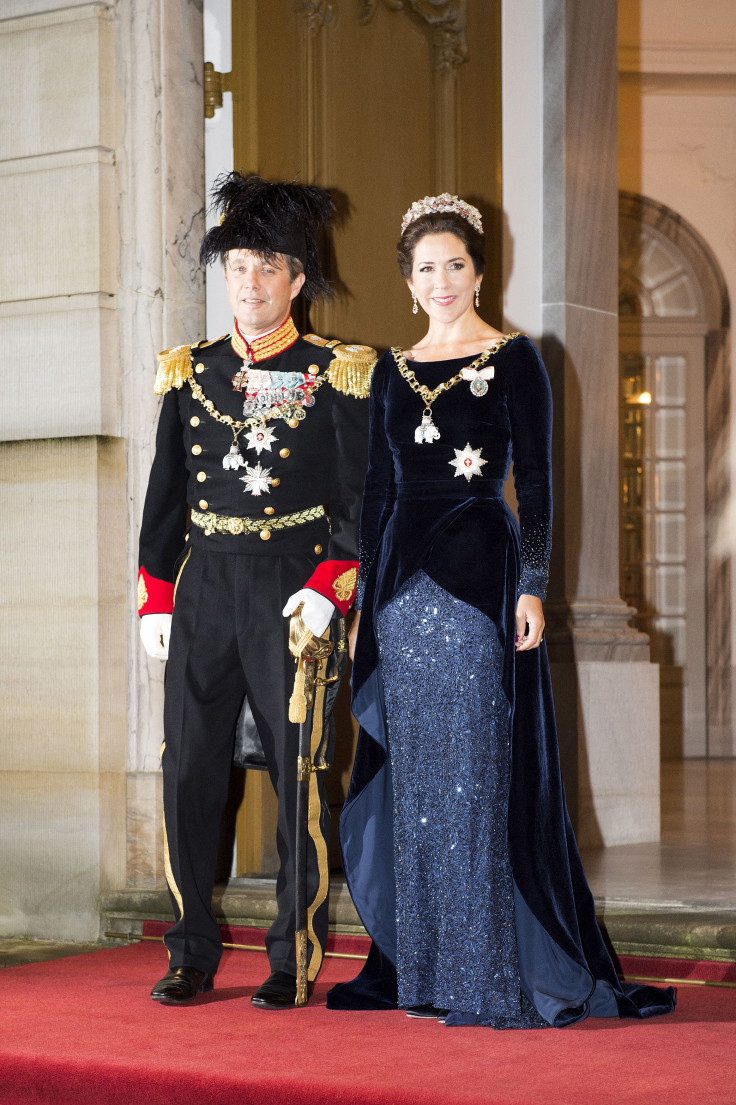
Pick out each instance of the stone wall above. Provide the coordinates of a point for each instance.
(101, 194)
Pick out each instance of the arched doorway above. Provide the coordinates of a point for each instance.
(673, 314)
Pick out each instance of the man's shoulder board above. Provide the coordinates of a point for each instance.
(207, 344)
(351, 368)
(317, 340)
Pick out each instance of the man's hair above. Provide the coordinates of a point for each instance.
(439, 223)
(293, 264)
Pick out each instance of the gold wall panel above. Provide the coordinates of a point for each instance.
(371, 100)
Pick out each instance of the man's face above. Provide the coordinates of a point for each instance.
(260, 291)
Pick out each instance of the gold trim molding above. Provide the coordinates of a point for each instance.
(447, 20)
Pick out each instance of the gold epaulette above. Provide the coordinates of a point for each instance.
(174, 368)
(351, 369)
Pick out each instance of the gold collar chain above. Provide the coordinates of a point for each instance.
(423, 391)
(426, 431)
(292, 411)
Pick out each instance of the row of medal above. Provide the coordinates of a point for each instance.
(263, 391)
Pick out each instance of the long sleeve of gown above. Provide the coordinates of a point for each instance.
(379, 492)
(530, 413)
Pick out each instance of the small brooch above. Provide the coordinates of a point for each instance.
(478, 378)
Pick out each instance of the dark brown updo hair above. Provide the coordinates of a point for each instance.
(441, 223)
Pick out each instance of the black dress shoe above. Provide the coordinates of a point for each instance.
(181, 984)
(277, 992)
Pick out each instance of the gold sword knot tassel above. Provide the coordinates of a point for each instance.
(302, 695)
(308, 650)
(304, 768)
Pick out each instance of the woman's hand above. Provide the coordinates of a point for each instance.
(353, 634)
(529, 623)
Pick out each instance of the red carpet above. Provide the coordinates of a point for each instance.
(84, 1031)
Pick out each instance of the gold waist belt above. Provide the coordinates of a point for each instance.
(223, 523)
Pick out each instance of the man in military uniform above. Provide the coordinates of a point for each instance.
(262, 441)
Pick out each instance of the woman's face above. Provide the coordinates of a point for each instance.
(443, 277)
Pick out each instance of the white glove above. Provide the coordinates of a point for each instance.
(155, 633)
(317, 613)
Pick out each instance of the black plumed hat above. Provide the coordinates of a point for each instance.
(269, 218)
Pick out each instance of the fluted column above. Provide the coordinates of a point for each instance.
(606, 690)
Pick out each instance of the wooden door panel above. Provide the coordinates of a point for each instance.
(361, 98)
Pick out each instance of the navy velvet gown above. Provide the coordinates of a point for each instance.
(457, 847)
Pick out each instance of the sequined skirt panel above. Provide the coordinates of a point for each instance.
(449, 743)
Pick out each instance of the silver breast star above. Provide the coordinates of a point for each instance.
(257, 479)
(468, 462)
(260, 438)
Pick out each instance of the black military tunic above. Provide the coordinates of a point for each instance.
(274, 507)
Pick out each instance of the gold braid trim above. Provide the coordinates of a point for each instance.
(174, 368)
(314, 825)
(225, 523)
(350, 371)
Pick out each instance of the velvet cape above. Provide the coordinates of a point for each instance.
(420, 512)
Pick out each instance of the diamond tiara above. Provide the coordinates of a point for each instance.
(443, 205)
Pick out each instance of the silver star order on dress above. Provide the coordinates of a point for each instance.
(257, 479)
(468, 462)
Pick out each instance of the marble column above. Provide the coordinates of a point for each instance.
(606, 690)
(160, 304)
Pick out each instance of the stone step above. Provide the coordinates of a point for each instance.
(700, 932)
(677, 930)
(20, 952)
(247, 902)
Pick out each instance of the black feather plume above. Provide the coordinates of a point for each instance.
(269, 218)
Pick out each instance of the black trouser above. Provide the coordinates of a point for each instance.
(229, 639)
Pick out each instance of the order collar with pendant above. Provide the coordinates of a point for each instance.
(267, 346)
(475, 373)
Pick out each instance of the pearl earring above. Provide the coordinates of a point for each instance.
(477, 295)
(414, 309)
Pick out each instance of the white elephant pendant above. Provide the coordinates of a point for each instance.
(234, 458)
(426, 431)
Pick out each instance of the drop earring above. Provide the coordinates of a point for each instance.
(414, 309)
(477, 295)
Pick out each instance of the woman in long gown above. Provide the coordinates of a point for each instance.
(457, 847)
